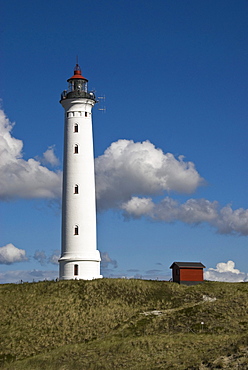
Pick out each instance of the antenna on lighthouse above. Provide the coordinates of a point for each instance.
(101, 102)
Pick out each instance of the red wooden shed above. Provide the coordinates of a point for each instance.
(189, 273)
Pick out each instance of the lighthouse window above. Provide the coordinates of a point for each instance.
(76, 189)
(76, 230)
(76, 127)
(86, 114)
(75, 270)
(76, 149)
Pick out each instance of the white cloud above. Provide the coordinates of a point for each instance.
(49, 157)
(20, 178)
(27, 276)
(10, 254)
(233, 221)
(137, 207)
(127, 169)
(40, 256)
(54, 257)
(106, 260)
(128, 174)
(193, 211)
(169, 210)
(225, 272)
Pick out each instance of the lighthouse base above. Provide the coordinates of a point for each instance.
(79, 269)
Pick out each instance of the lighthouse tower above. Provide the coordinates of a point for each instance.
(80, 258)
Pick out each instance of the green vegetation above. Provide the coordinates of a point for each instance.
(123, 324)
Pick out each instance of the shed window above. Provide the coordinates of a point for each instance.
(76, 230)
(76, 149)
(76, 127)
(177, 272)
(75, 270)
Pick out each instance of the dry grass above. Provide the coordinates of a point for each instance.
(101, 325)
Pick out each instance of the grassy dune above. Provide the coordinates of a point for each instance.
(123, 324)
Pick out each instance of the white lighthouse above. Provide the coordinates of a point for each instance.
(80, 258)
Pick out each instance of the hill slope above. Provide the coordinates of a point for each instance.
(118, 323)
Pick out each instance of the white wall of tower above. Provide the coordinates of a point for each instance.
(79, 246)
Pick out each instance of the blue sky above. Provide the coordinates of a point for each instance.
(174, 73)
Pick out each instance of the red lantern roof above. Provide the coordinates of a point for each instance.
(77, 74)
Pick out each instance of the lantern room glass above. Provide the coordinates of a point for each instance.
(77, 85)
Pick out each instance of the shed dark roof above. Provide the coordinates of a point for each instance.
(187, 265)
